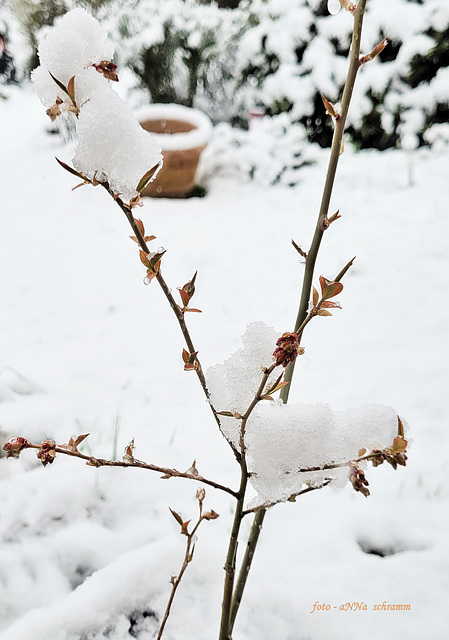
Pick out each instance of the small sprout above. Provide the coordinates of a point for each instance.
(329, 289)
(400, 427)
(185, 529)
(302, 253)
(374, 53)
(330, 108)
(176, 516)
(93, 462)
(153, 262)
(190, 361)
(47, 452)
(128, 453)
(193, 470)
(228, 414)
(148, 177)
(334, 217)
(349, 6)
(200, 494)
(186, 292)
(135, 202)
(14, 446)
(141, 229)
(394, 455)
(287, 348)
(344, 270)
(73, 443)
(210, 515)
(357, 479)
(277, 386)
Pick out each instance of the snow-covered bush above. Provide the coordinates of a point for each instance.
(279, 56)
(181, 51)
(33, 15)
(295, 51)
(270, 152)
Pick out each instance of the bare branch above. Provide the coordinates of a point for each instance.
(167, 472)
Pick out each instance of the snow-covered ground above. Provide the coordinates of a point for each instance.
(86, 347)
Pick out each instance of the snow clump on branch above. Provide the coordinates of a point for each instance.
(282, 440)
(74, 76)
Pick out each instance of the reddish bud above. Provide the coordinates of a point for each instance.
(14, 446)
(107, 69)
(287, 348)
(200, 494)
(47, 452)
(357, 479)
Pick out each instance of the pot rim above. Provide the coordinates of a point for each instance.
(199, 136)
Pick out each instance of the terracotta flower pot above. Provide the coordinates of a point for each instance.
(182, 133)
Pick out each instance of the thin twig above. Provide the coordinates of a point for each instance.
(138, 464)
(253, 539)
(177, 579)
(225, 624)
(354, 65)
(127, 210)
(263, 507)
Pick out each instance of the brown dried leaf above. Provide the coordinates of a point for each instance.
(211, 515)
(399, 445)
(143, 259)
(71, 89)
(184, 297)
(60, 85)
(176, 516)
(184, 528)
(329, 108)
(78, 174)
(147, 177)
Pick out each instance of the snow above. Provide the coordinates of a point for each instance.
(84, 549)
(112, 147)
(282, 439)
(199, 136)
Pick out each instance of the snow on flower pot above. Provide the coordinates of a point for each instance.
(182, 133)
